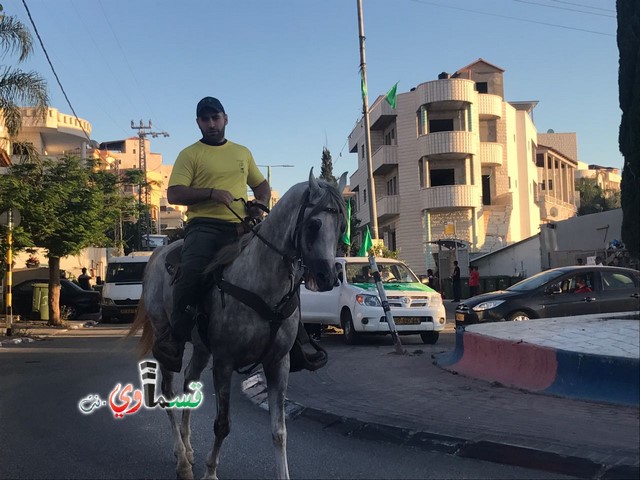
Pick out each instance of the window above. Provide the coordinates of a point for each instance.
(442, 177)
(550, 184)
(421, 166)
(422, 120)
(579, 283)
(617, 281)
(392, 186)
(364, 195)
(540, 160)
(482, 87)
(389, 138)
(444, 125)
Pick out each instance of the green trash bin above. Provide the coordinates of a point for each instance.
(41, 300)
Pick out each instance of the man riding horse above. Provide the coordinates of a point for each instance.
(210, 177)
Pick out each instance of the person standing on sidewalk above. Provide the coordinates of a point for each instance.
(84, 279)
(455, 279)
(211, 177)
(474, 281)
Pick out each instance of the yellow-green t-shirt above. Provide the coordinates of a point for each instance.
(229, 167)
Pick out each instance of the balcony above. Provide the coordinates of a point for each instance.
(387, 207)
(490, 154)
(385, 159)
(448, 144)
(452, 89)
(489, 106)
(554, 209)
(381, 114)
(451, 196)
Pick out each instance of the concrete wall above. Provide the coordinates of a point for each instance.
(519, 259)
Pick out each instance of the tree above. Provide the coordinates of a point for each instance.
(628, 12)
(326, 170)
(66, 205)
(18, 88)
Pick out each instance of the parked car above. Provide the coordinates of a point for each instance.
(354, 305)
(78, 303)
(559, 292)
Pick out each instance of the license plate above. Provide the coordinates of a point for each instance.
(407, 320)
(460, 317)
(128, 310)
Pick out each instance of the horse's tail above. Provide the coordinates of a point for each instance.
(142, 321)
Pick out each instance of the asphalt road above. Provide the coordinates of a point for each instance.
(44, 435)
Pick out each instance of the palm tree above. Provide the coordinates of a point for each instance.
(18, 88)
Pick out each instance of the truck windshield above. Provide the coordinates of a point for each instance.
(125, 272)
(390, 273)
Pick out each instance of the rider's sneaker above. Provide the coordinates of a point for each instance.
(169, 350)
(301, 360)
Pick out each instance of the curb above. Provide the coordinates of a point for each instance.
(254, 387)
(536, 368)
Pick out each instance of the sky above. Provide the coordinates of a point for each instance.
(287, 71)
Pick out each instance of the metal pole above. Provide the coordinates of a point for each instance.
(373, 211)
(9, 297)
(385, 306)
(269, 182)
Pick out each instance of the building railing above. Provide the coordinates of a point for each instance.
(457, 89)
(385, 156)
(388, 206)
(491, 154)
(439, 143)
(489, 105)
(451, 196)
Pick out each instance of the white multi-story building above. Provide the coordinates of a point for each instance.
(455, 160)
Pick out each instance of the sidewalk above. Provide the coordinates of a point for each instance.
(407, 399)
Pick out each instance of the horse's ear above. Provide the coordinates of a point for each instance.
(342, 182)
(313, 183)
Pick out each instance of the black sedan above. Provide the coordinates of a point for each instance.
(560, 292)
(78, 303)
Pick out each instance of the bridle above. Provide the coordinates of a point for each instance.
(291, 300)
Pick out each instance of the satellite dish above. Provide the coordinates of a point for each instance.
(550, 131)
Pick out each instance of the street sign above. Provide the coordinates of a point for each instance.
(4, 217)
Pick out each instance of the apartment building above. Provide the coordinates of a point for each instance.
(454, 159)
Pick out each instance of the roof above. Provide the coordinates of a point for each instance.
(527, 105)
(480, 60)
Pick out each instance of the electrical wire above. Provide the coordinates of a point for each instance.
(46, 54)
(585, 6)
(565, 8)
(513, 18)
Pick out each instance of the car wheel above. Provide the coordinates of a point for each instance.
(430, 338)
(72, 313)
(349, 334)
(518, 316)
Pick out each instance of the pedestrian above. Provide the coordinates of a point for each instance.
(455, 280)
(580, 261)
(598, 260)
(431, 279)
(211, 177)
(84, 279)
(474, 281)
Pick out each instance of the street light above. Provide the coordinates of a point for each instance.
(269, 178)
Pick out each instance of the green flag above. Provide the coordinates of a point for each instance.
(391, 95)
(366, 244)
(363, 86)
(346, 238)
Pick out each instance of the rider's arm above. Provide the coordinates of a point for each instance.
(262, 193)
(183, 195)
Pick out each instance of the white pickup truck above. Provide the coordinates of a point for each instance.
(354, 304)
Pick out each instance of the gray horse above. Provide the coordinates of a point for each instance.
(296, 241)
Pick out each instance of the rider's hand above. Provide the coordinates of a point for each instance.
(254, 211)
(221, 196)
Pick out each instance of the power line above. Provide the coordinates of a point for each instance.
(513, 18)
(46, 54)
(586, 6)
(565, 8)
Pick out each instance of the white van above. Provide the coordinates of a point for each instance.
(123, 286)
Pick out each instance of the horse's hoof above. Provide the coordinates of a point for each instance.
(185, 473)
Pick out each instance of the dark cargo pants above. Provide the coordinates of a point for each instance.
(203, 239)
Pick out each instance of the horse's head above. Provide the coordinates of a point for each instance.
(320, 225)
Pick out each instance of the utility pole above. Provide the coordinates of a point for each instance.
(373, 210)
(143, 131)
(269, 180)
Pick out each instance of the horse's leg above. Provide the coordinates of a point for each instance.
(222, 381)
(183, 467)
(277, 375)
(197, 364)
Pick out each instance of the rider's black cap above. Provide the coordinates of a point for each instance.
(209, 103)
